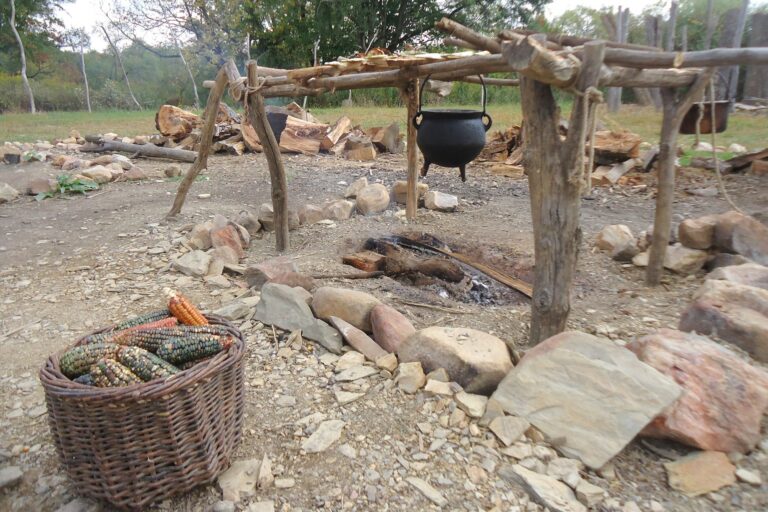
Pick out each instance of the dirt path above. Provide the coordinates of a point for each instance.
(71, 265)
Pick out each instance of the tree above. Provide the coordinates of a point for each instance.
(78, 40)
(24, 79)
(122, 67)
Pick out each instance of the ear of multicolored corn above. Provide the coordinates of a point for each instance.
(181, 350)
(76, 361)
(146, 318)
(151, 339)
(145, 365)
(113, 336)
(109, 373)
(184, 310)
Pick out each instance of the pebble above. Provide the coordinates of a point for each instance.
(10, 476)
(749, 477)
(427, 490)
(284, 483)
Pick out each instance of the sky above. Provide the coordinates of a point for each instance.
(87, 13)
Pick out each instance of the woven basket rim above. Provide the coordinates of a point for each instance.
(56, 383)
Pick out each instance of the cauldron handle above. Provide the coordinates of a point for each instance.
(415, 120)
(485, 100)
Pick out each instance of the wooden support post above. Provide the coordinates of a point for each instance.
(206, 140)
(555, 176)
(673, 112)
(257, 117)
(410, 94)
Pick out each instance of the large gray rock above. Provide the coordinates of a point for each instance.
(7, 193)
(194, 263)
(440, 201)
(311, 214)
(683, 260)
(742, 234)
(267, 218)
(340, 209)
(548, 492)
(613, 237)
(349, 305)
(750, 274)
(591, 395)
(733, 312)
(9, 476)
(476, 360)
(698, 233)
(372, 199)
(287, 309)
(355, 187)
(239, 481)
(327, 433)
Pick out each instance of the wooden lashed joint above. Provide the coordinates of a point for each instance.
(531, 58)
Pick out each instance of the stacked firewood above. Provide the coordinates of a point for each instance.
(295, 129)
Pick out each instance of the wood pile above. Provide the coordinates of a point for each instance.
(295, 129)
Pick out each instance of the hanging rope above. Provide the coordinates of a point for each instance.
(720, 182)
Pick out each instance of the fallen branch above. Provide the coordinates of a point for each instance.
(99, 145)
(357, 275)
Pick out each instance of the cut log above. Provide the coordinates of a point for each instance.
(389, 139)
(355, 141)
(250, 137)
(365, 260)
(400, 263)
(363, 154)
(296, 141)
(175, 122)
(233, 145)
(740, 162)
(341, 128)
(615, 147)
(300, 113)
(97, 145)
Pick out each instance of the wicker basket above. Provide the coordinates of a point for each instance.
(139, 444)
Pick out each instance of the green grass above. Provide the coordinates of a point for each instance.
(743, 128)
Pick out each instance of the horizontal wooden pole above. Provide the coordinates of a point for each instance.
(699, 59)
(565, 40)
(615, 76)
(459, 31)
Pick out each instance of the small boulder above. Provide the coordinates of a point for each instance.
(410, 377)
(614, 237)
(262, 273)
(400, 191)
(750, 274)
(135, 174)
(723, 399)
(7, 193)
(440, 201)
(354, 189)
(626, 252)
(549, 492)
(475, 360)
(194, 263)
(10, 476)
(698, 233)
(683, 260)
(372, 199)
(267, 218)
(239, 481)
(42, 186)
(560, 388)
(200, 236)
(641, 260)
(172, 171)
(472, 404)
(742, 234)
(733, 312)
(340, 209)
(98, 173)
(225, 254)
(723, 259)
(349, 305)
(249, 222)
(228, 236)
(390, 327)
(508, 429)
(311, 214)
(700, 472)
(358, 340)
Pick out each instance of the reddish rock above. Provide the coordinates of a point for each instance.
(698, 233)
(750, 274)
(135, 174)
(390, 327)
(700, 472)
(723, 399)
(258, 275)
(257, 279)
(350, 305)
(358, 340)
(733, 312)
(228, 236)
(226, 254)
(310, 214)
(742, 234)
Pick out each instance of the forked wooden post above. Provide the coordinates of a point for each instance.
(673, 112)
(555, 176)
(257, 117)
(206, 141)
(411, 94)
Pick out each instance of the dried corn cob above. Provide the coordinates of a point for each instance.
(117, 336)
(85, 379)
(146, 318)
(76, 361)
(145, 365)
(181, 350)
(151, 339)
(184, 310)
(109, 373)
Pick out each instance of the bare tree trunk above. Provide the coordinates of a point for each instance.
(555, 176)
(191, 76)
(24, 80)
(652, 38)
(756, 83)
(122, 68)
(411, 95)
(614, 25)
(710, 22)
(684, 38)
(674, 111)
(733, 73)
(85, 79)
(669, 42)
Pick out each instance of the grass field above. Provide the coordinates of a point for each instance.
(747, 129)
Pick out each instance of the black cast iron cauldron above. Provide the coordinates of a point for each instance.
(451, 137)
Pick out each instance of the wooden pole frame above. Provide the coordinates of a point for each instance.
(410, 94)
